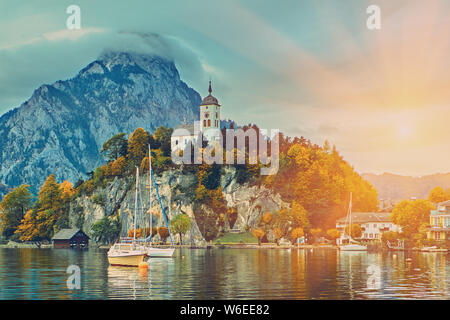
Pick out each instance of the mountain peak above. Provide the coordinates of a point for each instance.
(62, 127)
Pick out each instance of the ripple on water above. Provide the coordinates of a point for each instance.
(223, 274)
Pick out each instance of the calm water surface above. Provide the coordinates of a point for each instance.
(226, 274)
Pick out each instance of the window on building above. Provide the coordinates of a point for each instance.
(204, 123)
(217, 115)
(176, 142)
(209, 123)
(374, 225)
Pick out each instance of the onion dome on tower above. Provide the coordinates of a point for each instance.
(210, 100)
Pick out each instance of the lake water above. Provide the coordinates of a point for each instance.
(228, 274)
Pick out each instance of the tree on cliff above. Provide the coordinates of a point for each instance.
(13, 208)
(138, 145)
(320, 180)
(115, 147)
(163, 140)
(181, 224)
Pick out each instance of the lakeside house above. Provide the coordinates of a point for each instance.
(70, 238)
(372, 224)
(440, 222)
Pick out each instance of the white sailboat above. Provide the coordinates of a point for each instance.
(125, 252)
(355, 246)
(151, 251)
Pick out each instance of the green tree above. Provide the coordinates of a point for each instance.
(181, 224)
(115, 147)
(106, 230)
(410, 215)
(13, 208)
(163, 140)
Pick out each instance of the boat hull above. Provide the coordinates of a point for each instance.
(160, 252)
(353, 247)
(126, 260)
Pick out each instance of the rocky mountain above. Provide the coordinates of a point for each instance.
(397, 187)
(176, 189)
(62, 127)
(3, 190)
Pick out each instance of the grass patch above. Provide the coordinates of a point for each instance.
(236, 238)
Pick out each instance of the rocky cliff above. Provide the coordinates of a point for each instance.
(62, 127)
(176, 191)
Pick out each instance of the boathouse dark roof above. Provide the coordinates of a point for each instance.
(67, 234)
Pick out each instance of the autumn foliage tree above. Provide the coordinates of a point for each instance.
(355, 231)
(267, 218)
(163, 233)
(138, 145)
(49, 213)
(333, 234)
(437, 195)
(320, 181)
(410, 215)
(297, 233)
(258, 233)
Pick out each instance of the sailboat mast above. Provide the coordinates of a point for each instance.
(350, 218)
(150, 187)
(135, 203)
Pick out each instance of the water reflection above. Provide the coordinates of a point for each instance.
(227, 274)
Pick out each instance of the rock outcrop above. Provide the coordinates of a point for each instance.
(176, 190)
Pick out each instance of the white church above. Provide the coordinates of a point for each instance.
(209, 125)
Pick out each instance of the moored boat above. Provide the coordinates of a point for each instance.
(128, 252)
(351, 246)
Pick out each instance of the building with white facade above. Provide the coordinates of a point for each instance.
(440, 222)
(210, 124)
(372, 224)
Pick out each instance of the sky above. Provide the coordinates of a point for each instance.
(309, 68)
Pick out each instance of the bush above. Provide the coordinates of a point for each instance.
(99, 199)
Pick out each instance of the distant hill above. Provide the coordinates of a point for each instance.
(397, 187)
